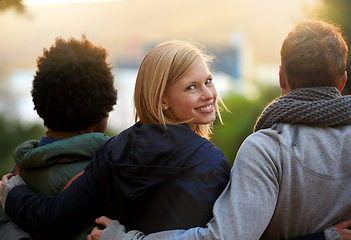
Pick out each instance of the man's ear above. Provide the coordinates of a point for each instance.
(282, 78)
(283, 81)
(342, 82)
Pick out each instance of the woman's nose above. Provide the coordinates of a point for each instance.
(207, 93)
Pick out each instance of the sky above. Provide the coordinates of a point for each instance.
(123, 26)
(126, 28)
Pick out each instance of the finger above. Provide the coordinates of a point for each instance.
(345, 234)
(96, 233)
(345, 224)
(101, 220)
(94, 230)
(104, 221)
(10, 175)
(90, 236)
(6, 177)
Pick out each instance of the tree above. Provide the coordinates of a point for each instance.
(13, 133)
(12, 4)
(338, 12)
(240, 121)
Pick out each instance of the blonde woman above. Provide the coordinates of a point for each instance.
(162, 173)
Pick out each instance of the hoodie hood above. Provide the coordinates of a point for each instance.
(147, 155)
(29, 155)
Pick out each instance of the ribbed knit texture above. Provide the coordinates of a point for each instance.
(8, 186)
(321, 106)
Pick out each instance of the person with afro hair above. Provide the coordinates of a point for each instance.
(73, 92)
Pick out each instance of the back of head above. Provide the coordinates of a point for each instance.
(73, 87)
(314, 54)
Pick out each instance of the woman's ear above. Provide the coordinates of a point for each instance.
(164, 105)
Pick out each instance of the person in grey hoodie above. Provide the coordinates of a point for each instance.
(292, 176)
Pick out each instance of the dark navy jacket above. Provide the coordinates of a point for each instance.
(148, 177)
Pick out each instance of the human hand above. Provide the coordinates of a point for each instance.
(4, 180)
(96, 233)
(342, 229)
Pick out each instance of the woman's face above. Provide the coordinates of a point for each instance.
(192, 97)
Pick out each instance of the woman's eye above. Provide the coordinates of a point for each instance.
(192, 87)
(208, 81)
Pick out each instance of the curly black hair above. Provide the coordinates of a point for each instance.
(73, 88)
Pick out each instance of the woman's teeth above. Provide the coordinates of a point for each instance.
(205, 108)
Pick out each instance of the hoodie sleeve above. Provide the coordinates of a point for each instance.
(66, 213)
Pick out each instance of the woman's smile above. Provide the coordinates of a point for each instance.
(206, 109)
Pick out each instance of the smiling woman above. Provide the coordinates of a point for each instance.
(49, 2)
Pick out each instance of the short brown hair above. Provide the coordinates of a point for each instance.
(314, 54)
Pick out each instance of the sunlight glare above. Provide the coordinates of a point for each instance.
(51, 2)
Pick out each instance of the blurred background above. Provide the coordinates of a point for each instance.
(245, 36)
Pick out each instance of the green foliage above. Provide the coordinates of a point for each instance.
(111, 132)
(11, 135)
(338, 12)
(240, 121)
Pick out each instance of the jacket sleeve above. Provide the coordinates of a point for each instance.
(66, 213)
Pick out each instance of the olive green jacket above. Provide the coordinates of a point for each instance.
(47, 169)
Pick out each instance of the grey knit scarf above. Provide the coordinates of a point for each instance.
(321, 106)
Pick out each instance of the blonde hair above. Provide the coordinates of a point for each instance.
(162, 66)
(314, 54)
